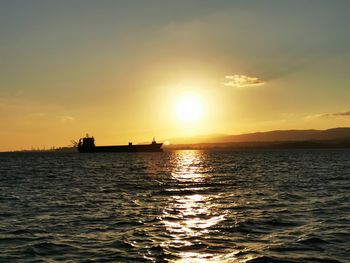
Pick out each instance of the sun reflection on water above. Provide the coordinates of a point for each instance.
(189, 166)
(189, 214)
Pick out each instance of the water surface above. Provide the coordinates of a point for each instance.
(180, 206)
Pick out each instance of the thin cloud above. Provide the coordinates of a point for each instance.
(345, 114)
(242, 81)
(66, 118)
(337, 114)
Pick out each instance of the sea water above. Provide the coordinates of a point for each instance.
(176, 206)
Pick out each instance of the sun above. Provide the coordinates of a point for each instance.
(189, 109)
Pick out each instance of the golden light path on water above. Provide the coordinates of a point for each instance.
(189, 216)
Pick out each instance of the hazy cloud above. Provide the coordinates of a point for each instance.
(329, 115)
(337, 114)
(347, 113)
(66, 118)
(242, 81)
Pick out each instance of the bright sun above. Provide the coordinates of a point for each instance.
(189, 109)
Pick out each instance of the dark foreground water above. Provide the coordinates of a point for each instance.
(181, 206)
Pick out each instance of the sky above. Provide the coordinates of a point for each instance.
(120, 69)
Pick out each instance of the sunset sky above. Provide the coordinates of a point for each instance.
(128, 70)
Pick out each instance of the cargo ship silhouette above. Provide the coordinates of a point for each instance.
(87, 145)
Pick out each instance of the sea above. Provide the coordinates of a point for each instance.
(176, 206)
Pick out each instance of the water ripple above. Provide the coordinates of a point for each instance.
(181, 206)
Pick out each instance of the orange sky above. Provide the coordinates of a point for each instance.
(119, 70)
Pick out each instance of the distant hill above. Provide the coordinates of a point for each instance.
(336, 134)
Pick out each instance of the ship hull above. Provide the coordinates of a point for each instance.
(156, 147)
